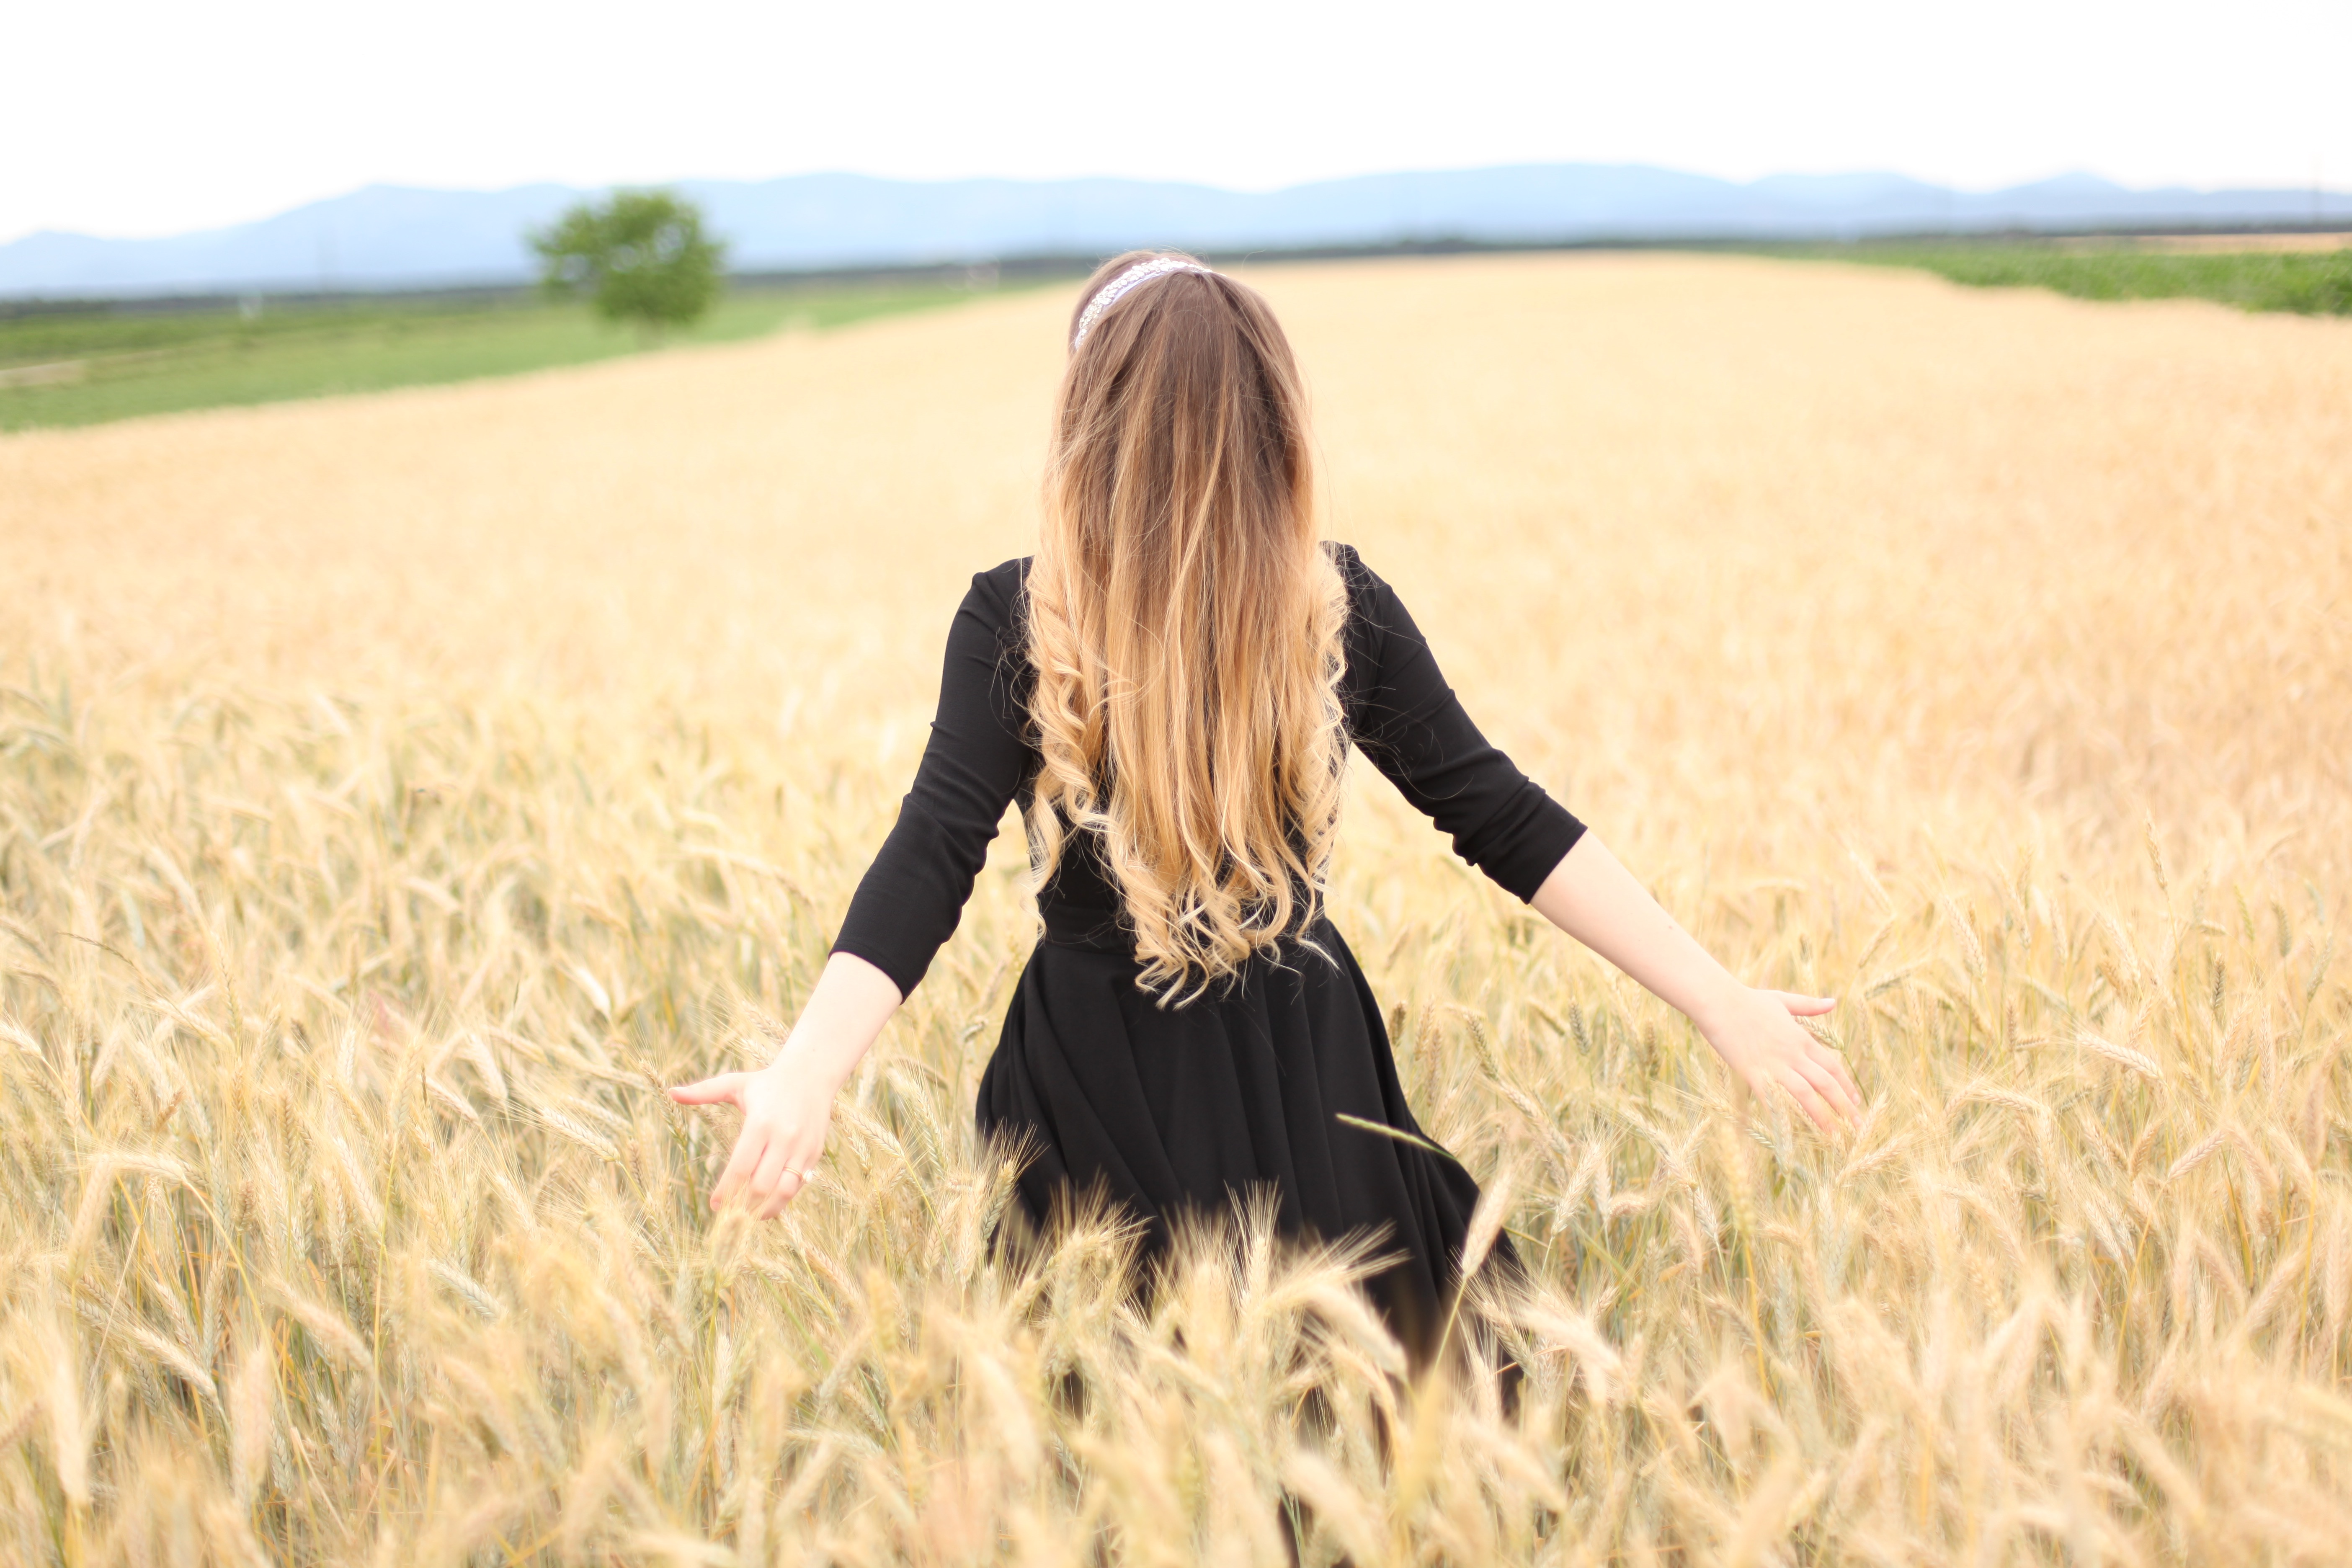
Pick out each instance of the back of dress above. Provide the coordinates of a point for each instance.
(981, 758)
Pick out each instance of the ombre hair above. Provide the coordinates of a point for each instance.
(1185, 628)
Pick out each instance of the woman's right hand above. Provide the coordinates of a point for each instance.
(786, 1109)
(1592, 898)
(1757, 1034)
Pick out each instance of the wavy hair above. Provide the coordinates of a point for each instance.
(1185, 625)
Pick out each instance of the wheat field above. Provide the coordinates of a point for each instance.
(395, 791)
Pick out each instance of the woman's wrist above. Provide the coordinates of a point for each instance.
(1717, 1004)
(844, 1011)
(804, 1059)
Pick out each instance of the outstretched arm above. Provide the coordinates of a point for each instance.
(788, 1104)
(1408, 721)
(1591, 897)
(908, 903)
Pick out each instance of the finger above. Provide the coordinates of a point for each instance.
(740, 1164)
(790, 1185)
(1833, 1058)
(1825, 1083)
(710, 1090)
(1806, 1006)
(762, 1184)
(1810, 1099)
(803, 1169)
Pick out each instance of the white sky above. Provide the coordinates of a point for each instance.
(132, 117)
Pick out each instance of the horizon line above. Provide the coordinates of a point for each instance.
(2316, 188)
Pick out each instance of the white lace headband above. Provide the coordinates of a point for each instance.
(1110, 293)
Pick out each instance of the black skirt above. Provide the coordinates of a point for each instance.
(1241, 1091)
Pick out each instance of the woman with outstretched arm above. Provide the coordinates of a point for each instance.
(1169, 689)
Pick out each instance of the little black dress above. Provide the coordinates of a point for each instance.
(1251, 1086)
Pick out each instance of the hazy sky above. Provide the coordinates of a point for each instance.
(146, 117)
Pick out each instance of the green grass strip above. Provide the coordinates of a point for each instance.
(2306, 282)
(85, 367)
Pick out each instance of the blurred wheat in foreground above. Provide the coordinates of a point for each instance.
(393, 791)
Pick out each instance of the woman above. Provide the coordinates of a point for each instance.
(1170, 688)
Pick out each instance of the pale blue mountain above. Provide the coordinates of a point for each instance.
(390, 237)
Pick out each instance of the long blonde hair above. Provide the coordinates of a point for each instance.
(1185, 628)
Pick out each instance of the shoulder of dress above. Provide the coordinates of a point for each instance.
(1356, 577)
(999, 587)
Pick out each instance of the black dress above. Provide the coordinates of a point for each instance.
(1165, 1108)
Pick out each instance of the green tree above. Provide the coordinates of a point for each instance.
(642, 255)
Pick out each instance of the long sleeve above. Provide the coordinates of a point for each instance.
(1408, 722)
(912, 896)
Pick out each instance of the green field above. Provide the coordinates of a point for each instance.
(117, 362)
(2310, 283)
(87, 365)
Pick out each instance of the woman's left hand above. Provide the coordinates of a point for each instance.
(785, 1115)
(1757, 1034)
(788, 1104)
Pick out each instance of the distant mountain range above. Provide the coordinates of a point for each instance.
(390, 237)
